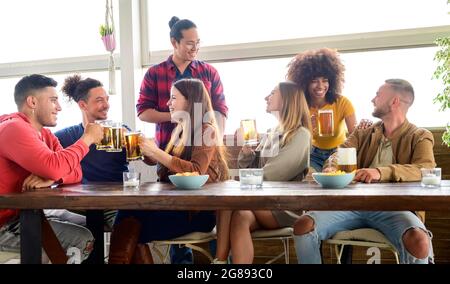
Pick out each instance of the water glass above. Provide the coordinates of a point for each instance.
(251, 178)
(131, 179)
(431, 177)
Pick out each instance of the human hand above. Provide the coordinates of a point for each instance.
(93, 133)
(148, 146)
(330, 169)
(367, 175)
(364, 123)
(246, 150)
(34, 181)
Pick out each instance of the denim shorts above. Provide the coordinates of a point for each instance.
(319, 156)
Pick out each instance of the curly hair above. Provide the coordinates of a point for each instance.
(324, 62)
(78, 89)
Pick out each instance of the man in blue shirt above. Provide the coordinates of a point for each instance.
(97, 165)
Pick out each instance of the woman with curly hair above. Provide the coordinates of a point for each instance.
(320, 74)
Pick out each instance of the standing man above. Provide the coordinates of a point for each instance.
(98, 165)
(155, 88)
(38, 160)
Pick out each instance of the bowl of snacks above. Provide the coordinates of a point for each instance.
(337, 179)
(188, 180)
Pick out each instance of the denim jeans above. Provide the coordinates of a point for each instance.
(319, 156)
(69, 234)
(393, 224)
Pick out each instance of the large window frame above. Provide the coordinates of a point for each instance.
(141, 56)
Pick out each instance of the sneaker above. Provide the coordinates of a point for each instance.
(217, 261)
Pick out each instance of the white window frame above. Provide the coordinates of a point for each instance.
(137, 54)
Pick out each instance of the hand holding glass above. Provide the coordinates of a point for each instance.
(249, 129)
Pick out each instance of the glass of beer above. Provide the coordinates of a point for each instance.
(346, 159)
(106, 142)
(117, 137)
(326, 123)
(250, 134)
(132, 145)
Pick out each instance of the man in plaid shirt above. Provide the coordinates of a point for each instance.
(155, 88)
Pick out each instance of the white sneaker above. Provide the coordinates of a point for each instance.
(217, 261)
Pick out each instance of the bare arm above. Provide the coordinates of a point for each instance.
(350, 121)
(154, 116)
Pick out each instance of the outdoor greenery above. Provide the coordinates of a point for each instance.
(442, 72)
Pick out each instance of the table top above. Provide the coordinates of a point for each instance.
(228, 195)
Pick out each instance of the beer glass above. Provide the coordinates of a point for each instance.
(106, 142)
(132, 146)
(326, 123)
(117, 137)
(346, 159)
(250, 134)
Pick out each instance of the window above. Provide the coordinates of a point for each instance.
(237, 21)
(246, 83)
(47, 29)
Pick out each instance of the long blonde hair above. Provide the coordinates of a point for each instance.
(294, 112)
(195, 92)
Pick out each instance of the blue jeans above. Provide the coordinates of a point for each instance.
(319, 156)
(393, 224)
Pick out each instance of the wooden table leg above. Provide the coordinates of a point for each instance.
(30, 236)
(94, 222)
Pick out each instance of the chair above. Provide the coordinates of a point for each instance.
(365, 237)
(9, 257)
(189, 240)
(282, 234)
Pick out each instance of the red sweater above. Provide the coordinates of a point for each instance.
(23, 151)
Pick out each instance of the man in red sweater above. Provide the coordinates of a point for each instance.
(36, 159)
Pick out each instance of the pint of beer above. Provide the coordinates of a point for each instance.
(132, 146)
(347, 159)
(250, 134)
(106, 142)
(326, 123)
(117, 137)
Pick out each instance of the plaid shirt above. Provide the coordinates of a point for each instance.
(155, 91)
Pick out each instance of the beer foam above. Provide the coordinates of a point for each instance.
(346, 156)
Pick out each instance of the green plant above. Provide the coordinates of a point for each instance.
(105, 30)
(442, 72)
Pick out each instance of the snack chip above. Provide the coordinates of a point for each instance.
(188, 174)
(336, 173)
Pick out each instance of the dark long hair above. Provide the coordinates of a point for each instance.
(77, 89)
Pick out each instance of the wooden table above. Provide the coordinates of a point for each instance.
(226, 195)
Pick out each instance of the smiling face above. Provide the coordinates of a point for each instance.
(318, 88)
(177, 102)
(96, 105)
(46, 106)
(187, 48)
(274, 100)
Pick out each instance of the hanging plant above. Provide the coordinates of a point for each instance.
(108, 38)
(108, 35)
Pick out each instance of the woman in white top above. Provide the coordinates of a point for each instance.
(284, 155)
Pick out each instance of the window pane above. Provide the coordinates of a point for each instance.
(70, 114)
(250, 21)
(246, 84)
(47, 29)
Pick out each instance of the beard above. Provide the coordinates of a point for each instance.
(380, 112)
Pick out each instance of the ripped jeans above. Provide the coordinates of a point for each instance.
(72, 236)
(393, 224)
